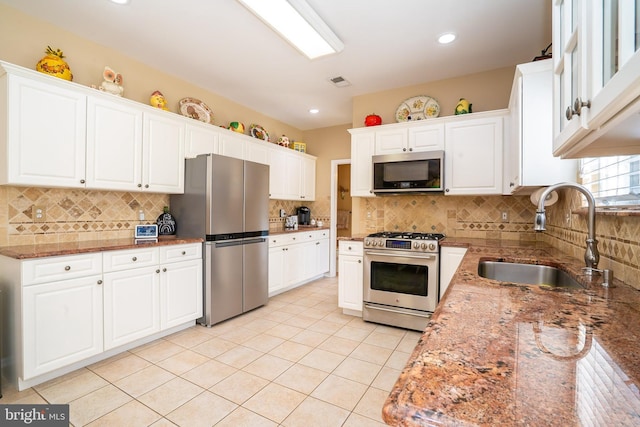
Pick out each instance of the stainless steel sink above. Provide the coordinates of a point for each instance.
(530, 274)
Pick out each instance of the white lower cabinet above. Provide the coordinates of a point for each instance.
(61, 324)
(65, 312)
(297, 258)
(131, 305)
(350, 275)
(450, 259)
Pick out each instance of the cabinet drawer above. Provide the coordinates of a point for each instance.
(180, 252)
(350, 247)
(284, 239)
(315, 235)
(51, 269)
(130, 258)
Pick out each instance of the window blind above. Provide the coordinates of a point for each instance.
(613, 181)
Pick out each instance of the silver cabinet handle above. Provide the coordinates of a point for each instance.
(184, 252)
(158, 271)
(67, 268)
(569, 113)
(139, 185)
(82, 181)
(359, 261)
(99, 282)
(134, 259)
(404, 149)
(164, 270)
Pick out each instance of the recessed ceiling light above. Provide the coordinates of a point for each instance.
(119, 1)
(314, 111)
(446, 38)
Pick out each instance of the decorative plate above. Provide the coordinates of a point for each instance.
(196, 109)
(258, 131)
(417, 108)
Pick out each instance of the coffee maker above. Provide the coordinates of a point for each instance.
(304, 215)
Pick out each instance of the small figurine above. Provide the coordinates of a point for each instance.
(53, 63)
(112, 82)
(236, 127)
(157, 100)
(283, 141)
(463, 107)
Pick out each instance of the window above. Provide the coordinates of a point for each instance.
(614, 181)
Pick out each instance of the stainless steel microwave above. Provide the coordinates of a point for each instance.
(408, 172)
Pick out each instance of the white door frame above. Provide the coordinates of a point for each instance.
(333, 230)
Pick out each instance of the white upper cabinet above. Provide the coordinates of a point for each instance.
(43, 127)
(405, 139)
(473, 156)
(114, 144)
(200, 139)
(528, 157)
(596, 77)
(162, 153)
(362, 148)
(232, 145)
(292, 176)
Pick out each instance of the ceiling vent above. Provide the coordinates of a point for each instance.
(340, 81)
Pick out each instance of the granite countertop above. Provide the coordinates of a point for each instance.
(301, 228)
(497, 353)
(79, 247)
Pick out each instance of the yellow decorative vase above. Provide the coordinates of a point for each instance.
(54, 64)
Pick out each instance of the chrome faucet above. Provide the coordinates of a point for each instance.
(591, 255)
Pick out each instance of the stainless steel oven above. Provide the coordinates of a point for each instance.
(401, 275)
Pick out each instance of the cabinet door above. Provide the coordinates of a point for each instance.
(163, 153)
(62, 324)
(362, 148)
(309, 260)
(277, 175)
(426, 138)
(294, 264)
(276, 269)
(450, 259)
(350, 282)
(200, 140)
(46, 132)
(180, 293)
(114, 145)
(308, 176)
(131, 305)
(391, 141)
(231, 145)
(322, 255)
(473, 156)
(569, 41)
(257, 152)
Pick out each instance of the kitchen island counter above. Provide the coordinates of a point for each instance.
(80, 247)
(497, 353)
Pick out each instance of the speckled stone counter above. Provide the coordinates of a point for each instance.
(72, 248)
(301, 228)
(497, 353)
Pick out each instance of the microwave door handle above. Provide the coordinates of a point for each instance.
(387, 254)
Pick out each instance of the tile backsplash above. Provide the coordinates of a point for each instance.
(481, 217)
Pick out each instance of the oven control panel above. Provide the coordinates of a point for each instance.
(403, 245)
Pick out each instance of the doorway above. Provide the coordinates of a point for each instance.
(341, 207)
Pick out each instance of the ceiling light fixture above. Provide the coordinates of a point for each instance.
(446, 38)
(314, 111)
(297, 23)
(119, 1)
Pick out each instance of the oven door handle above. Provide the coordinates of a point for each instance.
(389, 255)
(413, 313)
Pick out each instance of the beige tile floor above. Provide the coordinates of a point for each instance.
(298, 361)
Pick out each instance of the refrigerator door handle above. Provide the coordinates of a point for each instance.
(250, 241)
(225, 244)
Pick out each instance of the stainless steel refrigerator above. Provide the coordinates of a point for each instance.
(226, 201)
